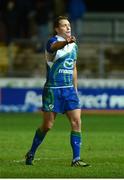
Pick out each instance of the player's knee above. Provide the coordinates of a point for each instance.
(76, 123)
(48, 127)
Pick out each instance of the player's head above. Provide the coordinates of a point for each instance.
(62, 26)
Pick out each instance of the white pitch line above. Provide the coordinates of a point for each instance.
(37, 159)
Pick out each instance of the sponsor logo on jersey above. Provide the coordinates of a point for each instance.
(68, 64)
(65, 71)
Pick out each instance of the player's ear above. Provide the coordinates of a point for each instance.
(56, 30)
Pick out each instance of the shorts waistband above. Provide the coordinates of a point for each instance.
(58, 87)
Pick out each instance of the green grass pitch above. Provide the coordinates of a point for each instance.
(103, 147)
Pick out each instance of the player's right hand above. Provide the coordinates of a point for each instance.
(71, 39)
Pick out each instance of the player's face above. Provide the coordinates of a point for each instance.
(64, 28)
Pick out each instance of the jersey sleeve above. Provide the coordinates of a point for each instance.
(49, 43)
(76, 52)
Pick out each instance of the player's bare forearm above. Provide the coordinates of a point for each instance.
(60, 44)
(75, 77)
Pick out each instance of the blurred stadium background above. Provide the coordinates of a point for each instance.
(100, 37)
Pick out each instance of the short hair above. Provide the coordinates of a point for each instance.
(57, 20)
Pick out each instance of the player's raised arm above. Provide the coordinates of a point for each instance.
(60, 44)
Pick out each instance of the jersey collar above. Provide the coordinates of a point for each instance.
(60, 38)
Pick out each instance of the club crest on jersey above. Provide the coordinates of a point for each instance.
(68, 64)
(51, 106)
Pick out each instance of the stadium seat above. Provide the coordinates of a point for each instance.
(4, 61)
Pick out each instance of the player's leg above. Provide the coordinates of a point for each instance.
(48, 120)
(75, 137)
(74, 117)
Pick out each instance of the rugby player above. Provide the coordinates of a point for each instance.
(60, 90)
